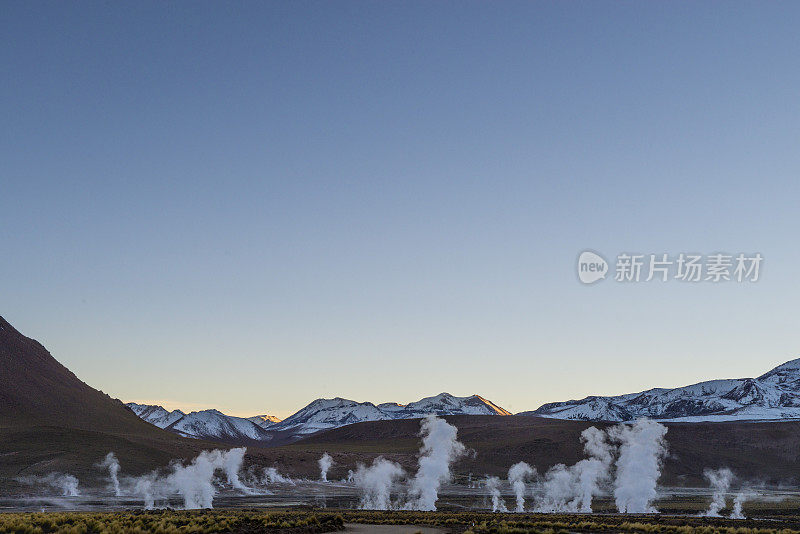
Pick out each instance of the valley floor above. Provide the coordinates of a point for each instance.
(305, 496)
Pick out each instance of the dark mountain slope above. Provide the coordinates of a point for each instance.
(51, 421)
(36, 389)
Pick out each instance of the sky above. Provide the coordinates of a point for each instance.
(251, 205)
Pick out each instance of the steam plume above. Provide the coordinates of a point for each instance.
(571, 489)
(272, 476)
(517, 475)
(232, 462)
(194, 482)
(325, 463)
(740, 498)
(720, 480)
(440, 448)
(493, 485)
(65, 483)
(144, 487)
(111, 463)
(642, 448)
(593, 470)
(559, 490)
(376, 483)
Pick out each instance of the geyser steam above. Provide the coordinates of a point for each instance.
(232, 461)
(65, 483)
(69, 485)
(143, 487)
(720, 480)
(642, 449)
(493, 485)
(560, 490)
(571, 489)
(325, 463)
(272, 476)
(593, 470)
(111, 463)
(517, 475)
(376, 482)
(194, 482)
(440, 448)
(742, 496)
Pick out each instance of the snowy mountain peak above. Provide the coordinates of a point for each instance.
(336, 402)
(156, 415)
(391, 406)
(211, 412)
(264, 421)
(213, 424)
(489, 404)
(447, 404)
(772, 396)
(790, 367)
(205, 424)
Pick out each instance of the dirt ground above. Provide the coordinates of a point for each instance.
(358, 528)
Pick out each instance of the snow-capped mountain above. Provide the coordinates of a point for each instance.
(771, 396)
(264, 421)
(443, 404)
(205, 424)
(213, 424)
(156, 415)
(321, 414)
(332, 413)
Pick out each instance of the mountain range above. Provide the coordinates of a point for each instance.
(774, 395)
(321, 414)
(205, 424)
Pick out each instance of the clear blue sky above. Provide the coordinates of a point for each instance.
(249, 205)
